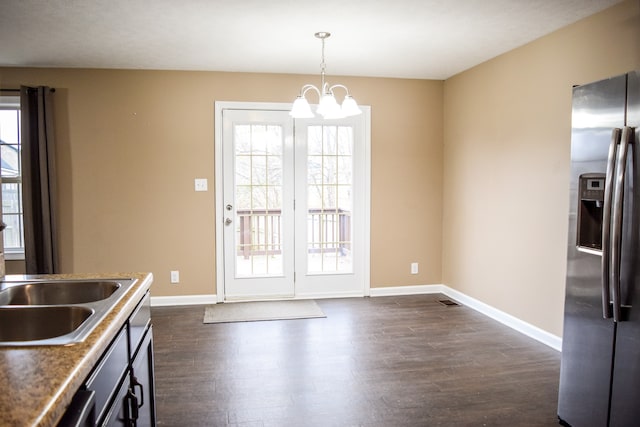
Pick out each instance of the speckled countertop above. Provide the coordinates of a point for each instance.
(37, 383)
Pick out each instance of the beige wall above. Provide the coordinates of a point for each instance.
(130, 144)
(506, 163)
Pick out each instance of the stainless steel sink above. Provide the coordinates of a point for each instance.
(23, 324)
(55, 312)
(57, 292)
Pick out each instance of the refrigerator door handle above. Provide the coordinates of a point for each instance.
(616, 235)
(606, 223)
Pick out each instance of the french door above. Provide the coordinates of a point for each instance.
(293, 214)
(258, 204)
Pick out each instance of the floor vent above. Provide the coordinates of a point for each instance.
(448, 302)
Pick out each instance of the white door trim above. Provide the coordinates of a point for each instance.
(219, 213)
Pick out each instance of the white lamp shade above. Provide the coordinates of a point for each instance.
(301, 109)
(329, 108)
(350, 107)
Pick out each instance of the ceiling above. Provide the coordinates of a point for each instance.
(424, 39)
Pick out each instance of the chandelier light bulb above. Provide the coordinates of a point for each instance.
(329, 107)
(350, 107)
(301, 109)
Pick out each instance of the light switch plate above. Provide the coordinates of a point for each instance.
(201, 184)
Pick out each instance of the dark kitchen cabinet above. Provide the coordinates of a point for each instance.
(122, 383)
(134, 404)
(143, 386)
(118, 414)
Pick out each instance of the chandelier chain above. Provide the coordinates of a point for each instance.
(323, 65)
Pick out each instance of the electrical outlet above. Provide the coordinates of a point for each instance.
(175, 276)
(414, 268)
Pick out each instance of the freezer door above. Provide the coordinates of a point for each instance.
(625, 394)
(588, 338)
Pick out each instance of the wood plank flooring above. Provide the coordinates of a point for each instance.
(372, 362)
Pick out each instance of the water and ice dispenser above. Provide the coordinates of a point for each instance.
(590, 208)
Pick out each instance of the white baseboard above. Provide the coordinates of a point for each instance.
(521, 326)
(183, 300)
(407, 290)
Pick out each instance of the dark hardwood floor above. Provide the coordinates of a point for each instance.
(386, 361)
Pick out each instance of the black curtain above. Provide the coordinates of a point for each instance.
(38, 180)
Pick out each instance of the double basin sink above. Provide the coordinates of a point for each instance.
(55, 312)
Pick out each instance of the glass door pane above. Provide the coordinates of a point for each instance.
(258, 197)
(329, 199)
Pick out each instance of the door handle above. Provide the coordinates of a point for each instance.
(616, 238)
(227, 221)
(606, 222)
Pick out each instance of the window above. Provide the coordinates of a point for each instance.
(11, 176)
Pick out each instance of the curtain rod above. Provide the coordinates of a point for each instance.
(51, 89)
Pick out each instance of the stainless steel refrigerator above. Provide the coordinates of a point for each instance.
(600, 370)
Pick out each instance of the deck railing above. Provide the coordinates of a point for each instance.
(260, 231)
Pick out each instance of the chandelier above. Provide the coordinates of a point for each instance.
(328, 107)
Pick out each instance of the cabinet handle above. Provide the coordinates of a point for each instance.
(137, 384)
